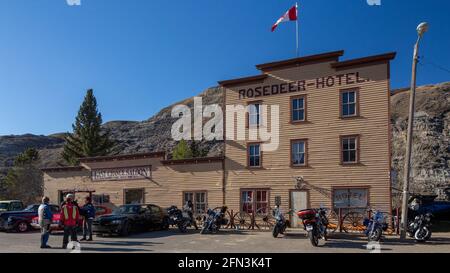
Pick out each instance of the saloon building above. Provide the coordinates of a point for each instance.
(334, 146)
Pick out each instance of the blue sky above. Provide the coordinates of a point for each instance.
(140, 55)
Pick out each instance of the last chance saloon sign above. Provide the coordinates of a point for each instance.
(129, 173)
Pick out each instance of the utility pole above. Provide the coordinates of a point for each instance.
(421, 29)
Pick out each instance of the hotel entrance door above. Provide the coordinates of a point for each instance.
(299, 201)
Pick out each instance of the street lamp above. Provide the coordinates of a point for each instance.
(421, 29)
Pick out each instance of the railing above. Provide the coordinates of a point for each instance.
(343, 221)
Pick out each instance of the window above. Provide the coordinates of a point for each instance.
(350, 198)
(198, 200)
(298, 153)
(349, 103)
(250, 204)
(254, 155)
(254, 115)
(100, 198)
(350, 149)
(134, 196)
(298, 109)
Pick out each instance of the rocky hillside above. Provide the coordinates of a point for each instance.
(431, 148)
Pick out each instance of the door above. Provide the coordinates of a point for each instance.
(299, 201)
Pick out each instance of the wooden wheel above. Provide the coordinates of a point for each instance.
(243, 220)
(264, 219)
(333, 221)
(353, 222)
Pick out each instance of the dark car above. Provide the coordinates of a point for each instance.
(131, 218)
(20, 221)
(11, 205)
(427, 204)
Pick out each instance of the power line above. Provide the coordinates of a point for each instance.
(437, 66)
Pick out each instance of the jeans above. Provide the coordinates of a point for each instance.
(45, 234)
(87, 228)
(69, 231)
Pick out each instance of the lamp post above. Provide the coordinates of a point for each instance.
(421, 29)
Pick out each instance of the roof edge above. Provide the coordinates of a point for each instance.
(301, 60)
(193, 160)
(122, 157)
(243, 80)
(365, 60)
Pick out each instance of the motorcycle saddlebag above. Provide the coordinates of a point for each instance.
(384, 226)
(307, 214)
(366, 222)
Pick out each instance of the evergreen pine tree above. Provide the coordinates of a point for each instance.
(181, 151)
(196, 150)
(87, 139)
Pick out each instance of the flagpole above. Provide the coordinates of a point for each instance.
(296, 29)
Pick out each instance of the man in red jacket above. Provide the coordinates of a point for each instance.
(69, 219)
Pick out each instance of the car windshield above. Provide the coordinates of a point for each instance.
(129, 209)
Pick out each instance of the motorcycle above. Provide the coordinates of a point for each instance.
(213, 220)
(181, 219)
(280, 222)
(375, 225)
(315, 223)
(419, 228)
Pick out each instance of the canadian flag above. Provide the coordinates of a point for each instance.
(290, 15)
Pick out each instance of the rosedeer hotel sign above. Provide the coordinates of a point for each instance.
(129, 173)
(302, 85)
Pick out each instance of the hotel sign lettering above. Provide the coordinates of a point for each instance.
(302, 85)
(129, 173)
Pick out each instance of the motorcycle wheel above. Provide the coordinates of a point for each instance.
(182, 227)
(313, 238)
(375, 235)
(275, 231)
(422, 234)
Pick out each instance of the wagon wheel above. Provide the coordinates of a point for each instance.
(243, 220)
(353, 221)
(333, 221)
(232, 219)
(264, 219)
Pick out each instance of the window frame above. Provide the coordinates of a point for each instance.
(291, 109)
(247, 114)
(254, 200)
(194, 197)
(305, 141)
(260, 155)
(357, 149)
(341, 103)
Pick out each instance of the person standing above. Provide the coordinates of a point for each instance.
(45, 219)
(69, 219)
(88, 216)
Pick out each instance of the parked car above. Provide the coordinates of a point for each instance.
(427, 204)
(131, 218)
(56, 226)
(11, 205)
(20, 221)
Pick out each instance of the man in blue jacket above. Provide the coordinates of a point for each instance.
(45, 219)
(88, 212)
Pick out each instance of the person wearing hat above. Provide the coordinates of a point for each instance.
(45, 219)
(70, 215)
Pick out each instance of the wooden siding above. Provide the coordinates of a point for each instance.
(164, 188)
(323, 129)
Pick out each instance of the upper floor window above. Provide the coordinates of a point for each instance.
(349, 103)
(254, 155)
(298, 109)
(298, 153)
(350, 149)
(254, 115)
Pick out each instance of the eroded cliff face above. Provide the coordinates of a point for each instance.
(431, 147)
(431, 153)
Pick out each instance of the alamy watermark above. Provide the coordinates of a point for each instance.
(73, 2)
(244, 123)
(374, 2)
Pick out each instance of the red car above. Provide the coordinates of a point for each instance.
(55, 225)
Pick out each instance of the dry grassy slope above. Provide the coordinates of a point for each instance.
(431, 157)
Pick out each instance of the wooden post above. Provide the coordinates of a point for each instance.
(340, 220)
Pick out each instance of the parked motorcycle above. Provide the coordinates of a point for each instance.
(375, 225)
(419, 228)
(315, 223)
(213, 220)
(181, 219)
(280, 222)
